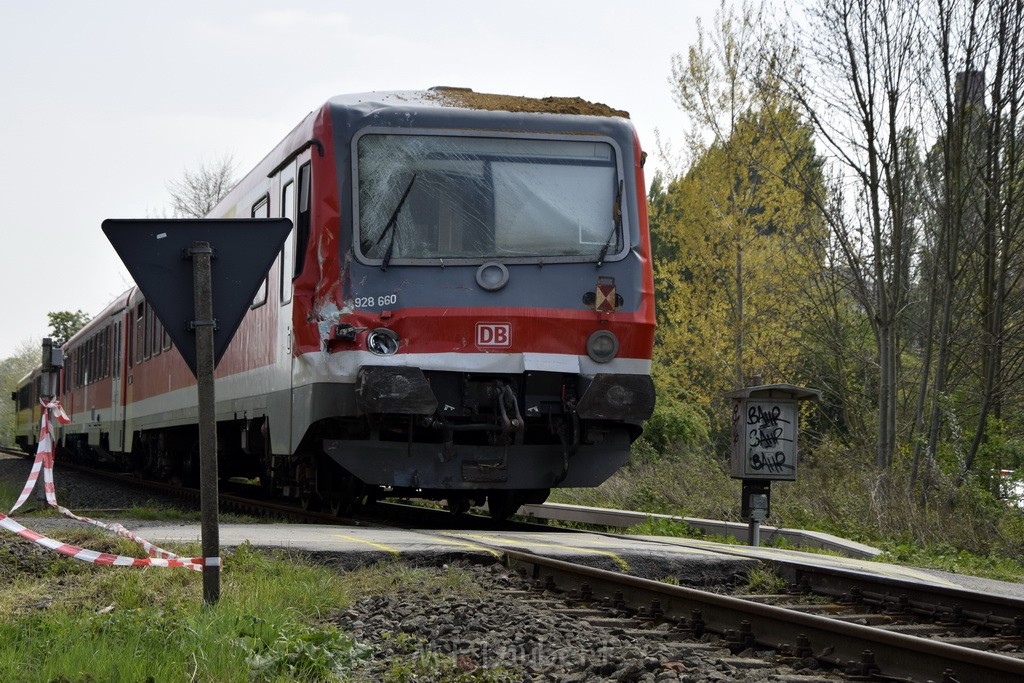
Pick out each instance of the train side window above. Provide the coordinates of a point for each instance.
(105, 351)
(261, 209)
(129, 340)
(288, 250)
(167, 340)
(158, 335)
(147, 339)
(302, 221)
(140, 330)
(90, 362)
(98, 343)
(101, 350)
(116, 355)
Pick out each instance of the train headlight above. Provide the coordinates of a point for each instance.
(602, 346)
(382, 341)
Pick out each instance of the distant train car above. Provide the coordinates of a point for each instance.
(27, 410)
(464, 311)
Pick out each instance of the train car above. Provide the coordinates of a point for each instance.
(92, 386)
(27, 410)
(464, 311)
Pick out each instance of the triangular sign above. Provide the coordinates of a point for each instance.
(156, 253)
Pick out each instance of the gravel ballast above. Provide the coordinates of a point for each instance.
(530, 636)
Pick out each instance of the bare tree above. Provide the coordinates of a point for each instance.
(996, 209)
(859, 91)
(919, 106)
(198, 191)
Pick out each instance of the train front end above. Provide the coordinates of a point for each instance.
(488, 331)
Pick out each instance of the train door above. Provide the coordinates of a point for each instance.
(287, 198)
(116, 389)
(131, 346)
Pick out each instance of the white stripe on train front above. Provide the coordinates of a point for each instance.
(343, 367)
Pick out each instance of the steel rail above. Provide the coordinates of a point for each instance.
(951, 604)
(858, 650)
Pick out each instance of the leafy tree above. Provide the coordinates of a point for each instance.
(735, 246)
(64, 324)
(12, 369)
(734, 239)
(197, 192)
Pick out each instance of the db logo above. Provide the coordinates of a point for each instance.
(494, 335)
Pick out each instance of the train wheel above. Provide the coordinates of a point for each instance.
(503, 504)
(309, 501)
(458, 504)
(338, 507)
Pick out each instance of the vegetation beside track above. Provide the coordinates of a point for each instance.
(980, 534)
(64, 620)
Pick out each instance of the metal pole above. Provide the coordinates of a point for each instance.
(754, 533)
(203, 288)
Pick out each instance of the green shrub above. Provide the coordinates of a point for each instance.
(675, 424)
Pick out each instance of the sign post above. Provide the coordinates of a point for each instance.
(765, 430)
(204, 324)
(170, 258)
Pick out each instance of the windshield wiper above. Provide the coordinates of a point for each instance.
(616, 224)
(392, 226)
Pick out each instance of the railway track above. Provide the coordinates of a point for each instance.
(863, 640)
(864, 626)
(236, 500)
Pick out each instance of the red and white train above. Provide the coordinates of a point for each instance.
(464, 311)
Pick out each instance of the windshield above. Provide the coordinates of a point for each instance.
(480, 198)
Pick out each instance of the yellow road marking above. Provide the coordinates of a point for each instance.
(379, 546)
(617, 559)
(471, 546)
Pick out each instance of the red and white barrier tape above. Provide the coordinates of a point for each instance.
(158, 557)
(97, 557)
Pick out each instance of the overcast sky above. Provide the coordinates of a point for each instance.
(102, 103)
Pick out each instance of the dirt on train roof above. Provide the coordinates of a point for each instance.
(468, 99)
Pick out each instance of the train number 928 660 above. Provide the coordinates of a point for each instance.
(370, 301)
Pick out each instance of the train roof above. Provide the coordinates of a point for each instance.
(115, 306)
(31, 375)
(441, 107)
(465, 98)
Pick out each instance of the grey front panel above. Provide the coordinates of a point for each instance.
(426, 466)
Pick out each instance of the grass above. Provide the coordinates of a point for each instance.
(763, 581)
(64, 620)
(151, 512)
(947, 558)
(103, 623)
